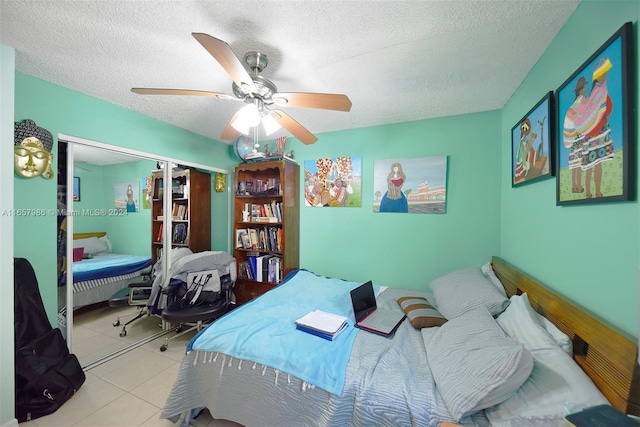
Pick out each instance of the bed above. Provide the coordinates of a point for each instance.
(102, 273)
(494, 362)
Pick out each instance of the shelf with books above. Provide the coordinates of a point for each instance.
(189, 213)
(266, 225)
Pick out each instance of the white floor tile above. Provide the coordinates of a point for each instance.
(156, 389)
(140, 369)
(127, 410)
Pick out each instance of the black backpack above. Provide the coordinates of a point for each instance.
(47, 375)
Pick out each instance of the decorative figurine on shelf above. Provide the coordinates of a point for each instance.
(245, 216)
(32, 150)
(266, 150)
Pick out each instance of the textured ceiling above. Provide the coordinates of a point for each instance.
(397, 61)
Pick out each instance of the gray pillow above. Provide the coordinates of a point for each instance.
(474, 364)
(464, 290)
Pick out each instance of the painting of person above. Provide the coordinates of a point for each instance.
(586, 132)
(394, 199)
(341, 189)
(131, 204)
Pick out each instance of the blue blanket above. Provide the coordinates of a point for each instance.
(263, 330)
(108, 266)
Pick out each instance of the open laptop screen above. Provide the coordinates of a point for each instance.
(363, 300)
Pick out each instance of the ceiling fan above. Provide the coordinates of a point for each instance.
(259, 93)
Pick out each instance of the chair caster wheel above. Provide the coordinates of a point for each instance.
(179, 329)
(116, 323)
(163, 347)
(123, 333)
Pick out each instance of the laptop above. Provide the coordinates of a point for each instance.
(369, 317)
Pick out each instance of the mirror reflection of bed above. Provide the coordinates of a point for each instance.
(115, 251)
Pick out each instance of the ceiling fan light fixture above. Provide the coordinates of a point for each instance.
(270, 124)
(248, 117)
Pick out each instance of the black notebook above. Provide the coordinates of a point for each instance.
(600, 416)
(369, 316)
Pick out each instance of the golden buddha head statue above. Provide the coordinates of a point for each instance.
(32, 150)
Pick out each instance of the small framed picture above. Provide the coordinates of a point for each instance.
(531, 144)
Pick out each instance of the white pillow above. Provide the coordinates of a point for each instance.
(107, 243)
(487, 270)
(463, 290)
(518, 323)
(522, 323)
(556, 380)
(91, 245)
(474, 364)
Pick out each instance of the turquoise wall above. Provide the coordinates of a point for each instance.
(589, 253)
(408, 250)
(60, 110)
(129, 233)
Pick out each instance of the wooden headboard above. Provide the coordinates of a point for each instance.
(77, 236)
(609, 356)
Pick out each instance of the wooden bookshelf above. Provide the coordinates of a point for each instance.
(268, 194)
(190, 216)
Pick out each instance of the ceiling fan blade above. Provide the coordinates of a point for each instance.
(326, 101)
(222, 53)
(295, 128)
(154, 91)
(230, 133)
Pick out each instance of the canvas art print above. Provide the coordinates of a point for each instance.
(127, 196)
(531, 144)
(410, 185)
(595, 155)
(333, 182)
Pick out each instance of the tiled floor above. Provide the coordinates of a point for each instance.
(129, 390)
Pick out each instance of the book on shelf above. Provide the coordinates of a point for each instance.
(245, 270)
(159, 238)
(600, 416)
(179, 212)
(253, 238)
(180, 233)
(323, 324)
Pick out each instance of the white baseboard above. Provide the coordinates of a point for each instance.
(11, 423)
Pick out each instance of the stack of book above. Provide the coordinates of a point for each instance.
(322, 324)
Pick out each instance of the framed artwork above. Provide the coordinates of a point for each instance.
(127, 196)
(333, 182)
(596, 160)
(531, 144)
(410, 185)
(76, 189)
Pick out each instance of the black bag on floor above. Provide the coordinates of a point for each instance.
(46, 374)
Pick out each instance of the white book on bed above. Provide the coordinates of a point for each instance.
(322, 321)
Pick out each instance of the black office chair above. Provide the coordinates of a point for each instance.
(181, 313)
(136, 295)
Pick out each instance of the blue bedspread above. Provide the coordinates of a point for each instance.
(263, 330)
(108, 266)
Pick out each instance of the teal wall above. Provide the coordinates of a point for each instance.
(130, 233)
(60, 110)
(589, 253)
(408, 250)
